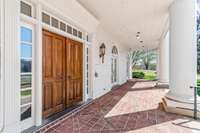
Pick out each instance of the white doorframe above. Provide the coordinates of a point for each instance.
(30, 121)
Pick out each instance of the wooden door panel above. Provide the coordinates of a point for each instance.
(48, 93)
(78, 90)
(47, 99)
(48, 56)
(59, 44)
(58, 57)
(71, 92)
(53, 73)
(74, 72)
(58, 93)
(58, 96)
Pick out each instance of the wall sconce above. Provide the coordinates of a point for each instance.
(102, 51)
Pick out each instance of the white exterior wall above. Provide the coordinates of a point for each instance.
(78, 16)
(102, 83)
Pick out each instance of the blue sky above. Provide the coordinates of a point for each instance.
(26, 37)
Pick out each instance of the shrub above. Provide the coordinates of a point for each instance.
(139, 75)
(198, 84)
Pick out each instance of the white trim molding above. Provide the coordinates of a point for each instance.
(12, 66)
(2, 42)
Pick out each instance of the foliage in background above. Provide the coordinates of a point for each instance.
(148, 74)
(198, 47)
(144, 64)
(198, 84)
(144, 59)
(198, 44)
(138, 74)
(148, 57)
(136, 56)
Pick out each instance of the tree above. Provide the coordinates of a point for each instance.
(198, 43)
(147, 58)
(135, 56)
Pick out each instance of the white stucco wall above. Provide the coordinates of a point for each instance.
(102, 83)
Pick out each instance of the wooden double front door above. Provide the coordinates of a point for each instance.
(62, 73)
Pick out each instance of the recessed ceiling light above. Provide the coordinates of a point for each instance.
(141, 41)
(138, 32)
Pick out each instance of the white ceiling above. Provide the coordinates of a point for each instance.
(124, 18)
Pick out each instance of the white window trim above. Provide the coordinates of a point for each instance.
(29, 121)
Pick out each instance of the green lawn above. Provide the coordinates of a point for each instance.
(26, 93)
(148, 74)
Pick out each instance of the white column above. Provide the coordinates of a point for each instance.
(2, 98)
(38, 79)
(11, 77)
(183, 50)
(129, 65)
(164, 60)
(158, 64)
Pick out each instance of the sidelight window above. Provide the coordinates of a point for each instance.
(26, 72)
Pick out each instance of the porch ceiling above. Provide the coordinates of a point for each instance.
(124, 18)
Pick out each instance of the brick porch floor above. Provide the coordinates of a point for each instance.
(132, 108)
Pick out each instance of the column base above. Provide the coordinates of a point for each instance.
(160, 84)
(180, 105)
(182, 99)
